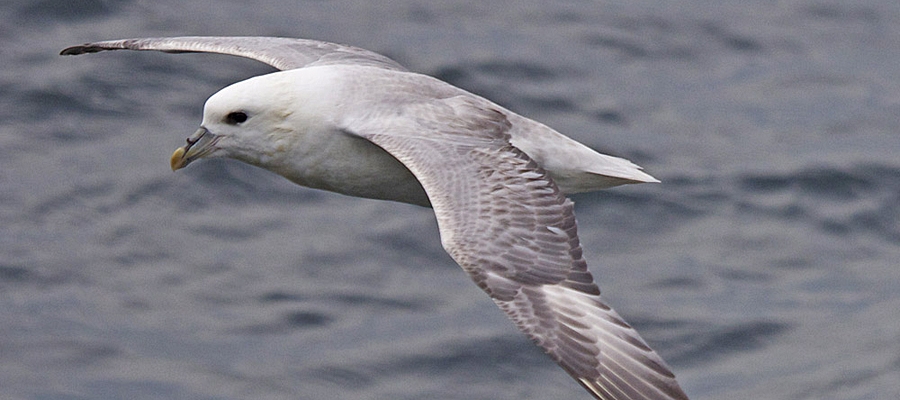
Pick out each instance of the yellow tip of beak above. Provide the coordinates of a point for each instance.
(177, 160)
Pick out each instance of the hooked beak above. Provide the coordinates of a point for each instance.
(198, 145)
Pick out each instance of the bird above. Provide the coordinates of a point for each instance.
(348, 120)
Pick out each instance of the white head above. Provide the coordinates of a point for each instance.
(255, 121)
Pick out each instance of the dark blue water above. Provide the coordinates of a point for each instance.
(765, 265)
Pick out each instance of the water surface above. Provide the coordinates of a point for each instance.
(764, 266)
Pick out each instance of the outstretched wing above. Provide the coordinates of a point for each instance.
(507, 224)
(281, 53)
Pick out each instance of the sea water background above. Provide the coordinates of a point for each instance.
(765, 265)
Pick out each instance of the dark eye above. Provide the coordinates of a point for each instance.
(235, 118)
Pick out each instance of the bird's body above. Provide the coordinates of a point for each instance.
(351, 121)
(319, 153)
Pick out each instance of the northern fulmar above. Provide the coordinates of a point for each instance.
(352, 121)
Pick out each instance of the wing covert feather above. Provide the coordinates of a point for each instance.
(505, 222)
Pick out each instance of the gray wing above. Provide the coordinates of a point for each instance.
(281, 53)
(506, 223)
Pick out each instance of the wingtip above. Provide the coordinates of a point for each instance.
(82, 49)
(72, 51)
(96, 47)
